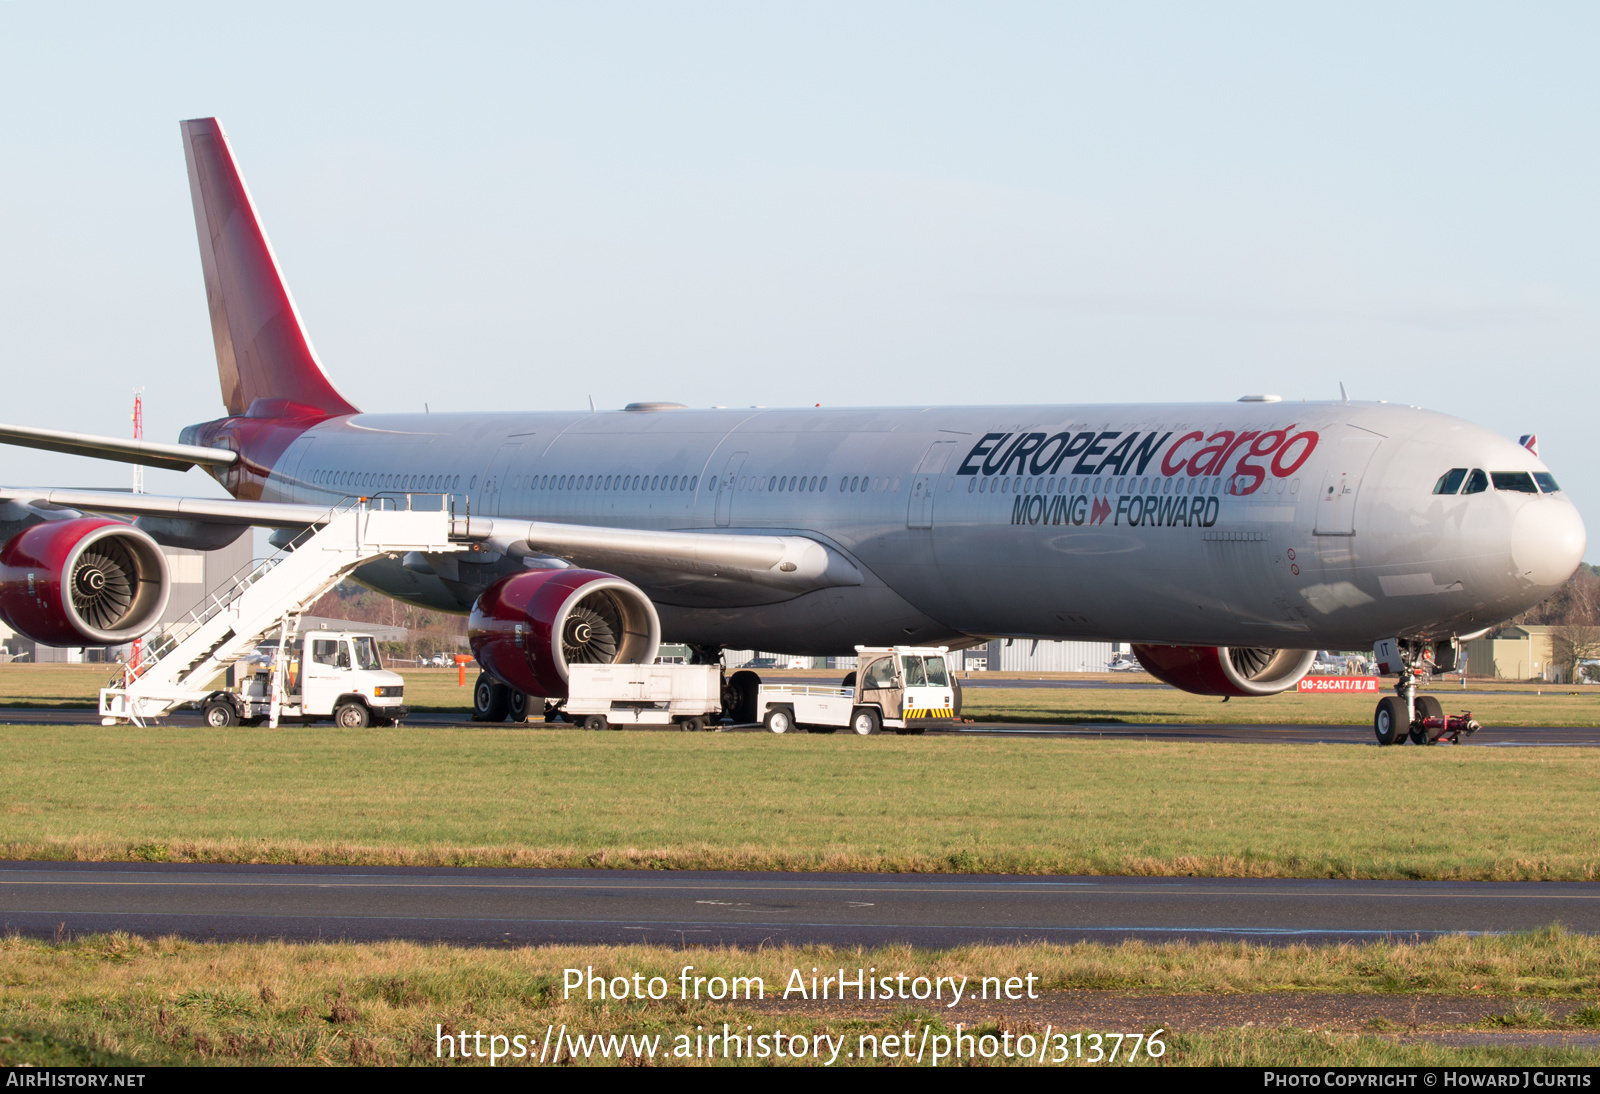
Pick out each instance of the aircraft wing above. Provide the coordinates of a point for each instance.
(173, 457)
(679, 566)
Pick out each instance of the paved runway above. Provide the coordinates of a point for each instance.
(485, 906)
(1493, 737)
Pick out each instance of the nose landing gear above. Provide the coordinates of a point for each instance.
(1419, 717)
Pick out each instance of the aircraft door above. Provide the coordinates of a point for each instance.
(924, 485)
(725, 487)
(489, 493)
(880, 683)
(1336, 504)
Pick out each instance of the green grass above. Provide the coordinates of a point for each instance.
(562, 797)
(121, 1000)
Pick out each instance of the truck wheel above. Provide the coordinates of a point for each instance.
(778, 720)
(489, 699)
(595, 721)
(691, 724)
(351, 716)
(220, 713)
(865, 721)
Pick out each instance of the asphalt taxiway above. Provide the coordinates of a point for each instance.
(506, 907)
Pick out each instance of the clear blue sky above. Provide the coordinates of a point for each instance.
(519, 206)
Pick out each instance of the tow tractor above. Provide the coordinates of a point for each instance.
(903, 688)
(325, 674)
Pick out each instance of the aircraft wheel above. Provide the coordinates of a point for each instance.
(490, 699)
(1389, 721)
(517, 705)
(595, 721)
(1427, 707)
(220, 714)
(849, 680)
(865, 722)
(351, 716)
(740, 703)
(779, 720)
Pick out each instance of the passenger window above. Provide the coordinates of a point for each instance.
(879, 674)
(915, 677)
(1546, 481)
(1477, 482)
(1450, 481)
(1519, 481)
(325, 651)
(936, 673)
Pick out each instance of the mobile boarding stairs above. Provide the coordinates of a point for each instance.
(179, 666)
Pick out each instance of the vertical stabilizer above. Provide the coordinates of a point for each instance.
(262, 349)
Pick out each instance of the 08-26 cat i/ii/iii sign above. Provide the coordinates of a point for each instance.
(1339, 683)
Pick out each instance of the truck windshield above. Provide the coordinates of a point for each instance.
(367, 653)
(936, 674)
(914, 674)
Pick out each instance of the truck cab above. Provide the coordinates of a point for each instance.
(319, 674)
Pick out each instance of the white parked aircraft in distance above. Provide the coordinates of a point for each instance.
(1228, 541)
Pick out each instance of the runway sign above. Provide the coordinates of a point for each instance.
(1339, 683)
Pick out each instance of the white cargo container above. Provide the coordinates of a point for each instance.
(643, 695)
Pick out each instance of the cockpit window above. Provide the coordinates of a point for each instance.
(1546, 481)
(1450, 481)
(1477, 482)
(1519, 481)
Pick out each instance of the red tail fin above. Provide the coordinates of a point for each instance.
(264, 358)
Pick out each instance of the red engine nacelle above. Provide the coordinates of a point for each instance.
(1226, 670)
(527, 628)
(84, 582)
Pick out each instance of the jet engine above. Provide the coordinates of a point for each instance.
(1226, 670)
(83, 582)
(527, 628)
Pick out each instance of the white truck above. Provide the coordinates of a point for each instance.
(325, 674)
(600, 696)
(903, 688)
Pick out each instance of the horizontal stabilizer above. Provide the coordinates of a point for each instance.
(173, 457)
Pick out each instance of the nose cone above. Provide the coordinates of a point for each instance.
(1547, 541)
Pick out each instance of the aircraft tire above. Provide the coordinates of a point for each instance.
(517, 704)
(1428, 706)
(743, 688)
(490, 699)
(1388, 721)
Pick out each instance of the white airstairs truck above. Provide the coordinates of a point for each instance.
(263, 602)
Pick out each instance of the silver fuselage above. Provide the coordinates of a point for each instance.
(985, 522)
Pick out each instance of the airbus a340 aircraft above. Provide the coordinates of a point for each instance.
(1228, 541)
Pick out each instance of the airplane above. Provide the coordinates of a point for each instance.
(1227, 541)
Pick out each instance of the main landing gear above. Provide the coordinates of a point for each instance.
(1421, 718)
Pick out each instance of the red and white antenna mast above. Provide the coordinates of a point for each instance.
(138, 435)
